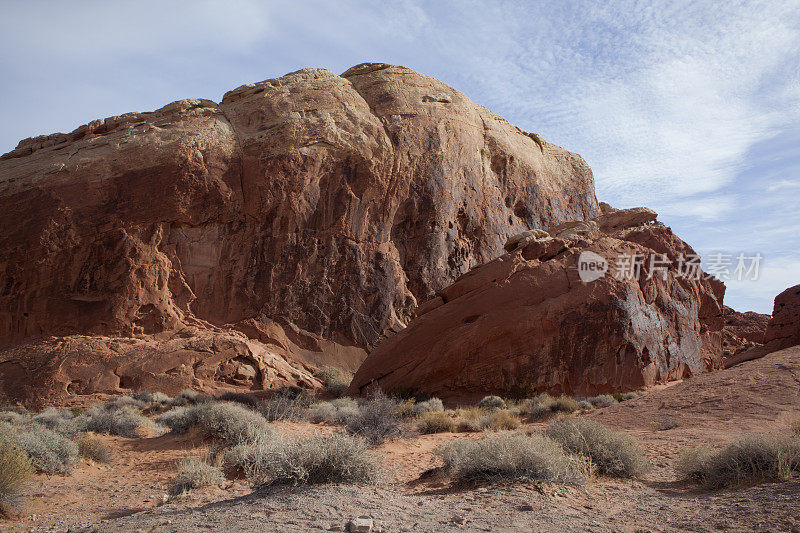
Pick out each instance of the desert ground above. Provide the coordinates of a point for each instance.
(129, 493)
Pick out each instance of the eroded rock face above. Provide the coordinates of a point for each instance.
(328, 205)
(526, 322)
(742, 331)
(783, 330)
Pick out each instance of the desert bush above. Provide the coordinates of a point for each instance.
(288, 403)
(14, 418)
(492, 402)
(49, 452)
(584, 405)
(15, 470)
(248, 400)
(613, 453)
(469, 419)
(60, 421)
(751, 457)
(432, 404)
(603, 400)
(545, 406)
(499, 419)
(509, 456)
(230, 422)
(664, 423)
(335, 379)
(92, 448)
(435, 422)
(122, 402)
(377, 419)
(794, 426)
(189, 397)
(337, 411)
(124, 421)
(336, 458)
(194, 473)
(633, 394)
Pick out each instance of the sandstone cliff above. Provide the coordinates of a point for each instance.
(527, 322)
(308, 213)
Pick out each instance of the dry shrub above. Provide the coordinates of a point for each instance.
(337, 411)
(111, 419)
(49, 452)
(751, 457)
(545, 406)
(248, 400)
(336, 458)
(613, 453)
(194, 473)
(377, 419)
(492, 402)
(469, 419)
(510, 456)
(287, 403)
(435, 422)
(794, 426)
(15, 470)
(603, 400)
(335, 379)
(432, 404)
(92, 448)
(230, 422)
(498, 420)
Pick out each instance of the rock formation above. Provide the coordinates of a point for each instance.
(742, 331)
(526, 322)
(309, 214)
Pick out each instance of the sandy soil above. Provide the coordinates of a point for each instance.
(761, 395)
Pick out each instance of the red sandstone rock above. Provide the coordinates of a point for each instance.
(742, 331)
(526, 322)
(321, 205)
(783, 329)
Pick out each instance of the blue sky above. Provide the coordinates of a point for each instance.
(691, 108)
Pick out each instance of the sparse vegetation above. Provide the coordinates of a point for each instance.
(377, 419)
(492, 402)
(288, 403)
(335, 379)
(125, 421)
(509, 456)
(545, 406)
(751, 457)
(432, 404)
(613, 453)
(194, 473)
(665, 423)
(338, 411)
(794, 426)
(15, 470)
(603, 400)
(93, 449)
(248, 400)
(336, 458)
(49, 452)
(435, 422)
(230, 422)
(498, 420)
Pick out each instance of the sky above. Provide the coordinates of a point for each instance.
(691, 108)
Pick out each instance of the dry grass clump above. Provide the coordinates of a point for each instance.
(492, 402)
(337, 411)
(613, 453)
(432, 404)
(435, 422)
(335, 379)
(15, 470)
(794, 426)
(194, 473)
(230, 422)
(287, 403)
(49, 452)
(498, 420)
(510, 456)
(336, 458)
(751, 457)
(377, 419)
(248, 400)
(93, 449)
(110, 419)
(603, 400)
(545, 406)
